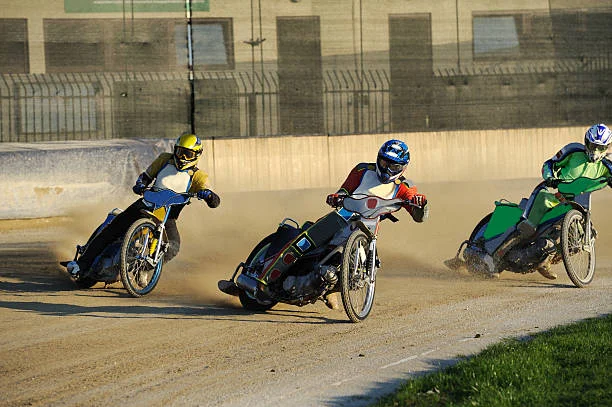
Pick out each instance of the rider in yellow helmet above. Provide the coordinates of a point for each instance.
(176, 171)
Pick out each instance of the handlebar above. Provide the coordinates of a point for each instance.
(400, 202)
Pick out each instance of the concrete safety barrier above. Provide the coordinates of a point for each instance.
(50, 179)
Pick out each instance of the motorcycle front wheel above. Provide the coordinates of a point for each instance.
(578, 254)
(138, 276)
(357, 280)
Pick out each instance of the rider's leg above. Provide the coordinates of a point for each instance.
(174, 240)
(544, 201)
(116, 228)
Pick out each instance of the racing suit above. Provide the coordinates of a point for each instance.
(569, 163)
(363, 180)
(166, 176)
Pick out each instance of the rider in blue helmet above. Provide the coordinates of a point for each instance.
(385, 179)
(393, 157)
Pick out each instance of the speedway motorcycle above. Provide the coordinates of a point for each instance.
(565, 233)
(299, 265)
(136, 258)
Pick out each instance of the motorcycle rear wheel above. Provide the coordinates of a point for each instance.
(357, 282)
(137, 275)
(247, 301)
(579, 263)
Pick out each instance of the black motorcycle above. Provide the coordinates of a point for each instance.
(299, 265)
(137, 258)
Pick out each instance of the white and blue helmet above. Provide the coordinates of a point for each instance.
(393, 157)
(596, 141)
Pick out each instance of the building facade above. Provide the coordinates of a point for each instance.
(90, 69)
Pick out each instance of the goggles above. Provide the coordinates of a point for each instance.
(596, 148)
(183, 153)
(393, 168)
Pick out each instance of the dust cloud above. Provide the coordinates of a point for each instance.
(215, 241)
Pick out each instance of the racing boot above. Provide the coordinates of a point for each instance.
(545, 271)
(73, 268)
(330, 277)
(143, 278)
(331, 300)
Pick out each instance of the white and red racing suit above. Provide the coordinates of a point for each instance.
(363, 180)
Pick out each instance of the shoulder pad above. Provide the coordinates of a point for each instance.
(365, 166)
(569, 149)
(409, 183)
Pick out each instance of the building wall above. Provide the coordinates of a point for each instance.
(348, 27)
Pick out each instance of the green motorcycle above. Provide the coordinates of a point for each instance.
(565, 233)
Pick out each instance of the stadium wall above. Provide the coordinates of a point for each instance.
(50, 179)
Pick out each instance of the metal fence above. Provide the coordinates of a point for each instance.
(57, 107)
(54, 107)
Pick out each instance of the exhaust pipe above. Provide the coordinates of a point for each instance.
(247, 283)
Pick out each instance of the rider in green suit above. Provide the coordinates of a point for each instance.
(572, 161)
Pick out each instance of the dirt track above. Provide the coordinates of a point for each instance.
(188, 344)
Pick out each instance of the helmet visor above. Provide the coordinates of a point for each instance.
(183, 153)
(595, 151)
(389, 167)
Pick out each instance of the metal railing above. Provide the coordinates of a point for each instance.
(93, 106)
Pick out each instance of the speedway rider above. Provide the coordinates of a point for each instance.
(572, 161)
(176, 171)
(384, 178)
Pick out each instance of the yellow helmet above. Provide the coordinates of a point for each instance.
(187, 151)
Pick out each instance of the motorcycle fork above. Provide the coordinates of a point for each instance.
(586, 245)
(371, 262)
(156, 246)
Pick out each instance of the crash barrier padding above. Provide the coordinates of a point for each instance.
(50, 179)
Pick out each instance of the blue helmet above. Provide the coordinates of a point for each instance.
(596, 141)
(393, 157)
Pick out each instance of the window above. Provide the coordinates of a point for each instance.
(73, 46)
(512, 36)
(14, 46)
(212, 44)
(141, 45)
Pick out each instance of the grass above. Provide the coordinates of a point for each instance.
(566, 366)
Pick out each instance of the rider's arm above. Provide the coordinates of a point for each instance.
(408, 191)
(550, 167)
(199, 181)
(145, 178)
(354, 178)
(157, 165)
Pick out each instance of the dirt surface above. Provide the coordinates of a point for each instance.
(188, 344)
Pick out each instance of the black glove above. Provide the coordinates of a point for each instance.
(141, 183)
(139, 188)
(552, 182)
(211, 199)
(335, 200)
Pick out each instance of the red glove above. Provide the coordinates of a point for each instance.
(335, 200)
(419, 199)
